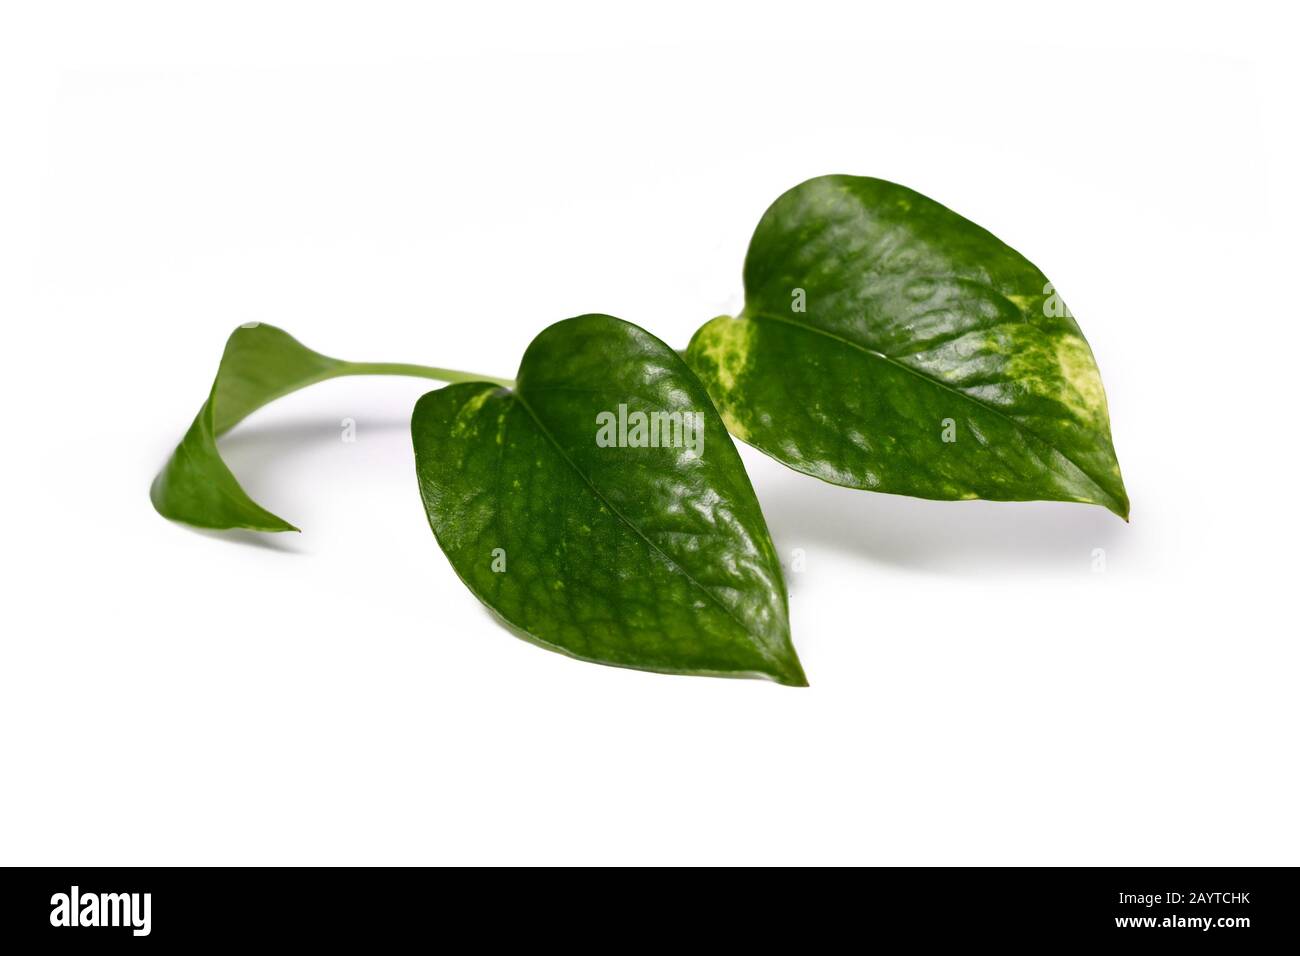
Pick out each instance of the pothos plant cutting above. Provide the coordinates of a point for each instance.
(886, 343)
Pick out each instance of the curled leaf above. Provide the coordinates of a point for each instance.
(260, 364)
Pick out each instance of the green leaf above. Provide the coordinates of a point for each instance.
(650, 557)
(887, 343)
(261, 363)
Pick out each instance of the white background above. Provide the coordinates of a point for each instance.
(399, 183)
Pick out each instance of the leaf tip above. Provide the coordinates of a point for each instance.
(788, 672)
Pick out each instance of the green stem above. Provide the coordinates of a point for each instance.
(422, 371)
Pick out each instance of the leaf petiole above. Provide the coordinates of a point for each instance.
(421, 371)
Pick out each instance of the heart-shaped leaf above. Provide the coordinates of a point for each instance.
(887, 343)
(601, 509)
(260, 364)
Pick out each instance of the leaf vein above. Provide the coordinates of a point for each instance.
(873, 353)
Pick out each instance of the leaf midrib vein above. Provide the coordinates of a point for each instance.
(627, 521)
(1019, 426)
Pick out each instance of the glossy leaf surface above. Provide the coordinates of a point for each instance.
(887, 343)
(639, 556)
